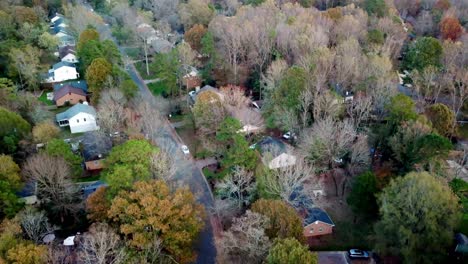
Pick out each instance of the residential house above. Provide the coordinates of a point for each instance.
(95, 146)
(192, 79)
(69, 95)
(80, 118)
(66, 40)
(28, 193)
(81, 84)
(67, 54)
(275, 153)
(62, 71)
(56, 17)
(317, 223)
(91, 188)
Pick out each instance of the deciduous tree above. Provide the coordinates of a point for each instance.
(208, 112)
(412, 209)
(101, 245)
(156, 212)
(26, 253)
(237, 186)
(97, 205)
(35, 224)
(45, 131)
(96, 74)
(442, 119)
(26, 62)
(194, 36)
(290, 251)
(10, 183)
(450, 28)
(58, 148)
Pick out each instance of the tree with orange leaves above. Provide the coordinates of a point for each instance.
(194, 36)
(97, 205)
(450, 28)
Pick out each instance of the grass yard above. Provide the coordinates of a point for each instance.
(133, 53)
(43, 98)
(157, 88)
(141, 67)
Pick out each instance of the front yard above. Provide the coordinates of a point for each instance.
(141, 68)
(43, 98)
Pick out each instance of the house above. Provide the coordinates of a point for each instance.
(81, 84)
(69, 95)
(65, 40)
(461, 243)
(193, 96)
(28, 193)
(95, 146)
(317, 223)
(56, 17)
(275, 153)
(67, 54)
(80, 118)
(91, 188)
(62, 71)
(192, 79)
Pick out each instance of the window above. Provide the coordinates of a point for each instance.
(320, 229)
(96, 162)
(77, 120)
(311, 230)
(84, 119)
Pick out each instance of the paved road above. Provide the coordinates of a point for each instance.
(340, 257)
(187, 174)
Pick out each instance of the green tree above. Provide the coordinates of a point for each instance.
(424, 52)
(290, 251)
(97, 74)
(58, 148)
(48, 41)
(208, 112)
(152, 211)
(442, 119)
(362, 198)
(401, 108)
(8, 94)
(26, 62)
(128, 163)
(418, 215)
(460, 188)
(27, 253)
(208, 49)
(284, 220)
(129, 88)
(375, 7)
(239, 154)
(87, 35)
(228, 129)
(166, 66)
(375, 36)
(10, 183)
(12, 128)
(430, 147)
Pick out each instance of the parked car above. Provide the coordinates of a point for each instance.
(185, 150)
(192, 93)
(289, 135)
(357, 253)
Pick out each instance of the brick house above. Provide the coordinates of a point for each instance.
(95, 147)
(317, 223)
(69, 94)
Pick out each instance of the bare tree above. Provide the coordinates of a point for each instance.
(163, 166)
(428, 83)
(34, 224)
(101, 245)
(347, 61)
(326, 105)
(111, 112)
(245, 241)
(237, 186)
(235, 96)
(359, 110)
(306, 99)
(54, 186)
(272, 78)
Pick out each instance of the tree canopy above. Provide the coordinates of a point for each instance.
(290, 251)
(362, 197)
(424, 52)
(10, 183)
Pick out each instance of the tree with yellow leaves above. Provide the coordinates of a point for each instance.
(151, 211)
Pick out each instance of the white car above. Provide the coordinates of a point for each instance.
(289, 135)
(253, 146)
(192, 93)
(185, 150)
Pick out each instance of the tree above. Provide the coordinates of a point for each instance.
(48, 41)
(424, 52)
(97, 205)
(97, 73)
(166, 66)
(245, 241)
(86, 36)
(450, 28)
(60, 149)
(10, 235)
(26, 62)
(101, 245)
(290, 251)
(239, 154)
(376, 7)
(208, 112)
(362, 197)
(112, 110)
(238, 186)
(228, 129)
(8, 94)
(195, 12)
(26, 253)
(35, 224)
(10, 183)
(44, 132)
(156, 212)
(128, 163)
(194, 36)
(413, 209)
(54, 187)
(401, 108)
(442, 119)
(285, 222)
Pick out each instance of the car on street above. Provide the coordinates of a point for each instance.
(192, 93)
(358, 254)
(185, 150)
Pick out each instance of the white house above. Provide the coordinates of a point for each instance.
(70, 58)
(56, 17)
(62, 71)
(80, 117)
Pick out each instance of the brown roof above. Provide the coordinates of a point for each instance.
(65, 90)
(66, 50)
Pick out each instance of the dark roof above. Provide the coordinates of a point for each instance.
(65, 50)
(269, 144)
(66, 90)
(81, 84)
(89, 189)
(317, 214)
(29, 189)
(95, 145)
(62, 64)
(74, 110)
(462, 243)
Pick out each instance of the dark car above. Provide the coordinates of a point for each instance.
(358, 254)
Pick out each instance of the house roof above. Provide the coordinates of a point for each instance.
(462, 243)
(74, 110)
(81, 84)
(29, 189)
(269, 144)
(65, 50)
(66, 90)
(89, 189)
(316, 214)
(95, 145)
(62, 64)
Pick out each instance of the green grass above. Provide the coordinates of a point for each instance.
(177, 118)
(133, 53)
(43, 98)
(157, 88)
(141, 67)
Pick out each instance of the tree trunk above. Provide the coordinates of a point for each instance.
(146, 58)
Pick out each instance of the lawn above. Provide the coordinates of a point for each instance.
(157, 88)
(189, 136)
(43, 98)
(133, 53)
(141, 67)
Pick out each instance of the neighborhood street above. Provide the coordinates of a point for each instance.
(187, 174)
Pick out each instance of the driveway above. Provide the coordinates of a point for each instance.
(340, 257)
(187, 174)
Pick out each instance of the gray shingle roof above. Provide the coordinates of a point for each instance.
(269, 144)
(74, 110)
(317, 214)
(62, 64)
